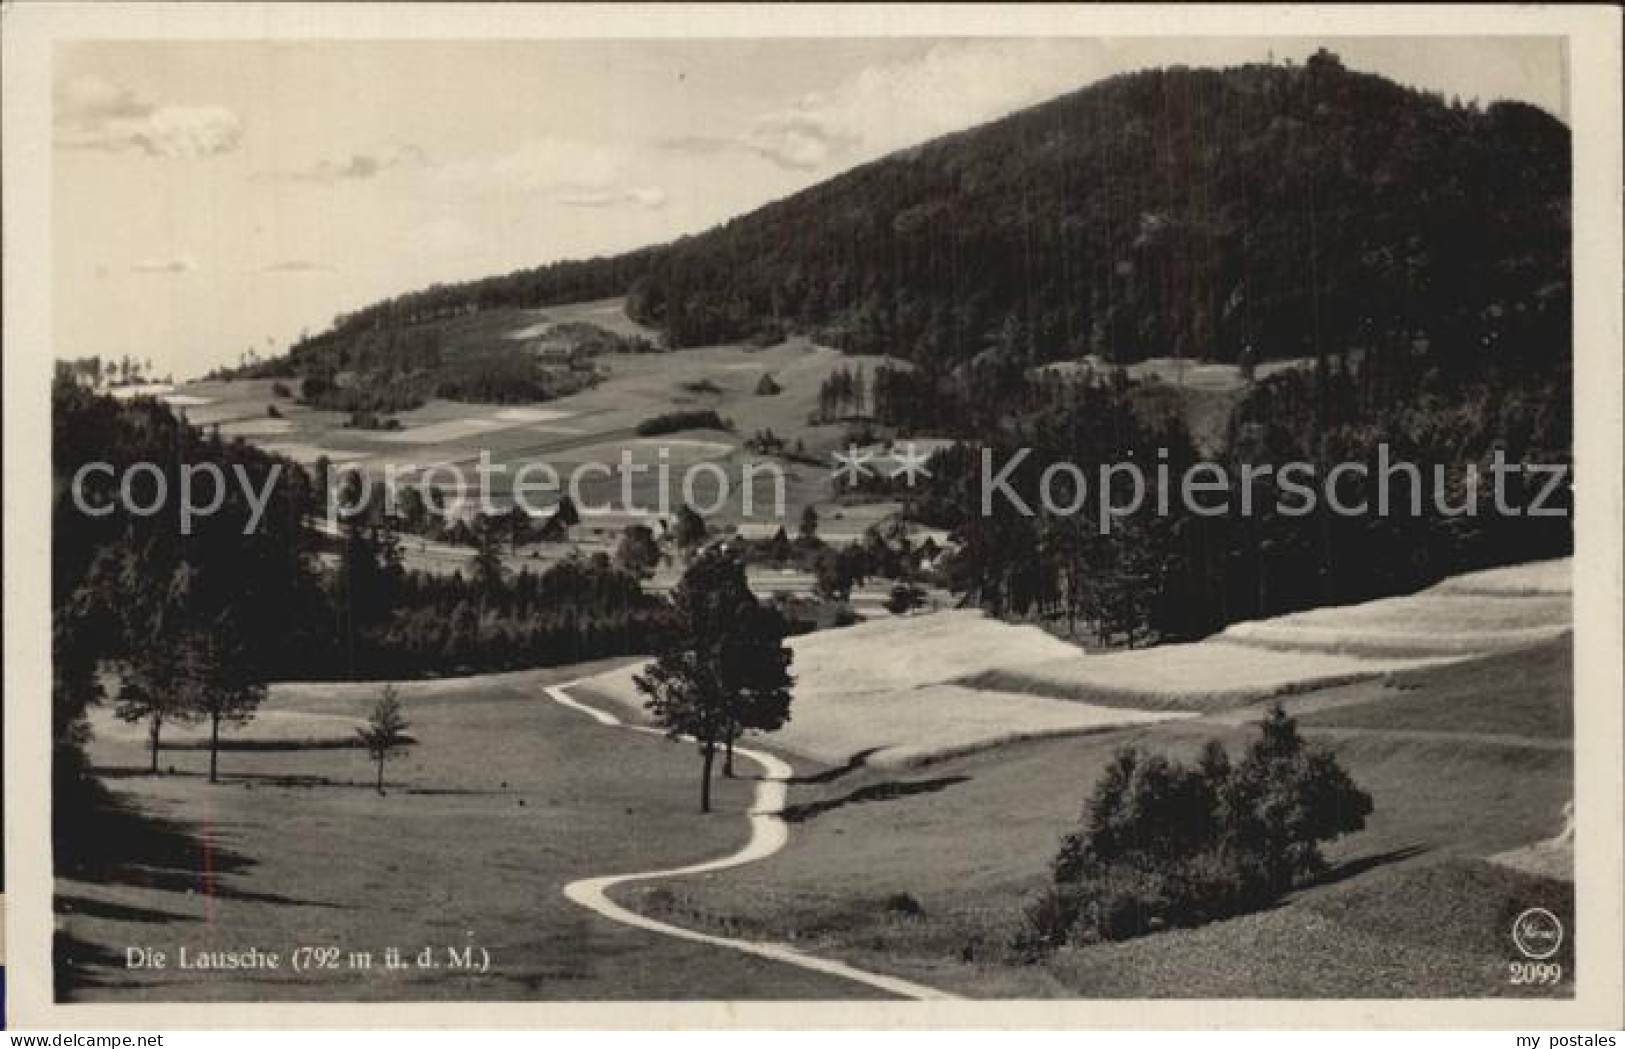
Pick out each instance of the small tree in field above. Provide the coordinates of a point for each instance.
(385, 732)
(153, 610)
(726, 669)
(638, 552)
(153, 690)
(221, 687)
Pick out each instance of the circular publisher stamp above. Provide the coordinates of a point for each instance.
(1537, 933)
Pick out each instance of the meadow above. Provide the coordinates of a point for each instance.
(939, 758)
(505, 798)
(922, 816)
(1473, 614)
(924, 872)
(880, 693)
(591, 435)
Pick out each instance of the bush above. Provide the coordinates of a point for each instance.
(766, 386)
(368, 420)
(1046, 922)
(314, 387)
(1124, 900)
(673, 422)
(904, 598)
(1117, 903)
(904, 904)
(1163, 844)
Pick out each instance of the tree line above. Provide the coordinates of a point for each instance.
(168, 626)
(1182, 574)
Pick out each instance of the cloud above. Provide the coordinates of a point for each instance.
(700, 145)
(570, 172)
(802, 139)
(176, 264)
(357, 167)
(297, 266)
(93, 113)
(439, 238)
(897, 104)
(632, 196)
(541, 165)
(799, 139)
(957, 84)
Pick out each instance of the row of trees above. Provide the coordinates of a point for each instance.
(193, 626)
(190, 624)
(184, 668)
(97, 373)
(1168, 571)
(173, 627)
(391, 621)
(842, 394)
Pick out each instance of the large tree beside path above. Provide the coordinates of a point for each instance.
(726, 670)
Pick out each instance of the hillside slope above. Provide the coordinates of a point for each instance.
(1474, 614)
(1169, 212)
(969, 681)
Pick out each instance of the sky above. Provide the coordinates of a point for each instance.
(211, 197)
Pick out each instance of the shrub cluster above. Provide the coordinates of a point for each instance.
(673, 422)
(1165, 844)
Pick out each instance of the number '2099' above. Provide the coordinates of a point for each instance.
(1534, 973)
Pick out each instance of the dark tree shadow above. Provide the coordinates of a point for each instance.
(102, 837)
(118, 912)
(1352, 868)
(250, 779)
(229, 744)
(876, 792)
(459, 792)
(853, 764)
(72, 963)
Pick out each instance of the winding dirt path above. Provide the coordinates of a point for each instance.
(768, 834)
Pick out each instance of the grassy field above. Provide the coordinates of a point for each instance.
(506, 797)
(1474, 614)
(879, 692)
(970, 681)
(1202, 677)
(917, 865)
(1454, 698)
(1410, 907)
(609, 314)
(592, 428)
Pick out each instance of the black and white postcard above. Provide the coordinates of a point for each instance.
(808, 516)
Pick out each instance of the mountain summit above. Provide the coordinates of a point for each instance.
(1183, 212)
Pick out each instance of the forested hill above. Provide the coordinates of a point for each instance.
(1172, 212)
